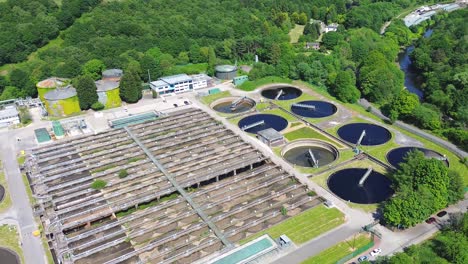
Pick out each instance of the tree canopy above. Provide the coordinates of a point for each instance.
(422, 187)
(86, 91)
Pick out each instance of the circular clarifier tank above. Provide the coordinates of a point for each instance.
(8, 257)
(314, 109)
(259, 122)
(345, 184)
(396, 156)
(299, 153)
(375, 134)
(233, 105)
(281, 93)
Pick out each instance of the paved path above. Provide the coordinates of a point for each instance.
(32, 247)
(445, 144)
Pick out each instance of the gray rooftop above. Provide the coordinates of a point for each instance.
(158, 83)
(173, 79)
(225, 68)
(106, 85)
(112, 73)
(9, 111)
(61, 93)
(270, 134)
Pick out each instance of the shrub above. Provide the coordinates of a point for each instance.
(154, 94)
(97, 106)
(311, 193)
(98, 184)
(283, 210)
(123, 173)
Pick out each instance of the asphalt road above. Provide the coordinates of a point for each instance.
(21, 210)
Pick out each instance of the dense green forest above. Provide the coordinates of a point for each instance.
(158, 34)
(442, 61)
(448, 246)
(161, 36)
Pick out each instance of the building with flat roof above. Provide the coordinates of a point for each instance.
(9, 116)
(180, 83)
(271, 137)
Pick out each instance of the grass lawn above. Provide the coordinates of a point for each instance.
(21, 159)
(9, 239)
(262, 106)
(252, 85)
(307, 132)
(213, 97)
(6, 203)
(305, 226)
(296, 32)
(340, 250)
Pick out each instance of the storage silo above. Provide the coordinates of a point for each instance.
(112, 75)
(226, 72)
(62, 101)
(48, 85)
(108, 93)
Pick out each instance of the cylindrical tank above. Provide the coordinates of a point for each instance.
(62, 101)
(48, 85)
(108, 93)
(226, 72)
(112, 74)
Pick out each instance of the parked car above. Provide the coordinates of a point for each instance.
(175, 105)
(441, 213)
(186, 103)
(362, 258)
(376, 251)
(430, 220)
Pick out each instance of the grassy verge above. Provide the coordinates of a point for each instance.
(305, 226)
(252, 85)
(307, 132)
(339, 251)
(32, 200)
(9, 239)
(6, 203)
(295, 33)
(213, 97)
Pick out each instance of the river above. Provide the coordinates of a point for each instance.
(406, 65)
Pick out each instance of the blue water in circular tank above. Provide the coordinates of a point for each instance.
(375, 135)
(278, 123)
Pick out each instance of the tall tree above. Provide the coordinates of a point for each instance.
(130, 86)
(93, 68)
(86, 91)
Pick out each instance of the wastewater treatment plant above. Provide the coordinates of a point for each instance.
(172, 190)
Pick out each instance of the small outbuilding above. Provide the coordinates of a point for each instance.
(271, 137)
(9, 116)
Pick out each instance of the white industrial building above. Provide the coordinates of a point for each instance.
(180, 83)
(9, 116)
